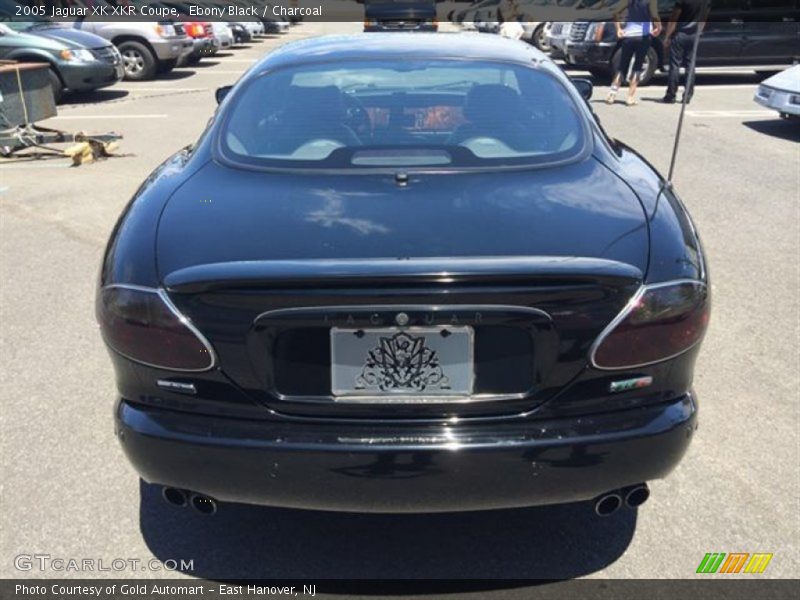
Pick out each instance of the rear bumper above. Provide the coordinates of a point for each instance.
(780, 100)
(405, 467)
(590, 55)
(168, 48)
(203, 47)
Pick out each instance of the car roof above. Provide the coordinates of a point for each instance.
(396, 45)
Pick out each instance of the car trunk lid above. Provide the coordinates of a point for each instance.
(266, 264)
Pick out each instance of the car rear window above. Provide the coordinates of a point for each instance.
(385, 114)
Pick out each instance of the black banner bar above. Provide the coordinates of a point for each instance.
(457, 11)
(712, 588)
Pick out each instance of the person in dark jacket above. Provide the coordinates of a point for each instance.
(643, 23)
(686, 22)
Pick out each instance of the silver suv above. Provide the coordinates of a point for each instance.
(147, 48)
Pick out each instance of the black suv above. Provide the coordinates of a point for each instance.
(739, 33)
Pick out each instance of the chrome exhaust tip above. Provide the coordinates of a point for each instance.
(637, 495)
(607, 504)
(174, 496)
(203, 504)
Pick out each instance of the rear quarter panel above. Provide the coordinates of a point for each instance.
(675, 248)
(130, 255)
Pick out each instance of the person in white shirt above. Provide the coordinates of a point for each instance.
(642, 23)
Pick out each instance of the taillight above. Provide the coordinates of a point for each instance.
(143, 325)
(661, 322)
(195, 30)
(599, 32)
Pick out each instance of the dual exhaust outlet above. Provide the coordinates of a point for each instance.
(181, 498)
(605, 505)
(632, 497)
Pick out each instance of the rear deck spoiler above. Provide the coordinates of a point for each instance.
(400, 271)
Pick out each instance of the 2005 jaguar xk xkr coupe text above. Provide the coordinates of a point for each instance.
(404, 273)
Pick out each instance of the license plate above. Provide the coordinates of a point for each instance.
(395, 364)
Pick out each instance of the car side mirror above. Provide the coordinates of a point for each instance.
(584, 87)
(222, 92)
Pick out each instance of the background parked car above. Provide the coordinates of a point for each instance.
(257, 25)
(762, 35)
(240, 33)
(557, 38)
(204, 40)
(405, 15)
(275, 26)
(478, 15)
(78, 61)
(222, 33)
(484, 17)
(781, 92)
(147, 48)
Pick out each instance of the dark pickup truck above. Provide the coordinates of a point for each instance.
(762, 35)
(400, 15)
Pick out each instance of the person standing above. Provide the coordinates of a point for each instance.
(686, 22)
(508, 18)
(642, 23)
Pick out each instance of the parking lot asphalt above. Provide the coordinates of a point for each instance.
(67, 491)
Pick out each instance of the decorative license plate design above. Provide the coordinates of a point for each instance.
(391, 363)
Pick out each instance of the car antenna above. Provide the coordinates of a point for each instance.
(688, 91)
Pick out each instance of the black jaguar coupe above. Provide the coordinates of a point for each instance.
(404, 273)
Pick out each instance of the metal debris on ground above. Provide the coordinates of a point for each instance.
(27, 97)
(85, 148)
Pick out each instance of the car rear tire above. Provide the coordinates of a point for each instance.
(56, 84)
(165, 66)
(138, 59)
(650, 67)
(193, 60)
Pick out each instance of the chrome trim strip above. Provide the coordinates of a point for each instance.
(419, 400)
(504, 270)
(377, 400)
(176, 386)
(161, 293)
(191, 327)
(625, 312)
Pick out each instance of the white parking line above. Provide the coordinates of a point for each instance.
(710, 87)
(165, 88)
(110, 117)
(729, 114)
(35, 165)
(701, 89)
(209, 72)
